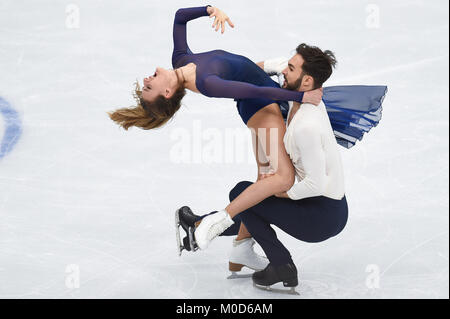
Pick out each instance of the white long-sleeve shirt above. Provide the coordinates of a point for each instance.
(312, 147)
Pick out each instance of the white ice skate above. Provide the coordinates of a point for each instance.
(243, 255)
(210, 227)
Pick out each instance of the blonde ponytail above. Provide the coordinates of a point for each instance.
(148, 115)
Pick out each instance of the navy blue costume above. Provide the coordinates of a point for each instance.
(223, 74)
(311, 220)
(353, 110)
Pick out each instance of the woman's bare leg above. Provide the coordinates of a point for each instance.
(243, 233)
(263, 120)
(266, 121)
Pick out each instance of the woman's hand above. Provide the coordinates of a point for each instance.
(313, 97)
(220, 18)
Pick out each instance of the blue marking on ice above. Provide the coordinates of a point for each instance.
(13, 127)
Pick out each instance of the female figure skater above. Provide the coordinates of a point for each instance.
(214, 74)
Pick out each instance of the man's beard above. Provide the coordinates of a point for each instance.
(294, 86)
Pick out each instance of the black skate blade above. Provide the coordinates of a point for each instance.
(272, 289)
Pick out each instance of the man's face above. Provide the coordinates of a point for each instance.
(293, 74)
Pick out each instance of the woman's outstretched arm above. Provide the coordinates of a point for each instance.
(215, 86)
(182, 16)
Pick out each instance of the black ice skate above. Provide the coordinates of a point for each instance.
(287, 274)
(185, 218)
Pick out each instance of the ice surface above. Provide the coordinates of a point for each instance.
(86, 209)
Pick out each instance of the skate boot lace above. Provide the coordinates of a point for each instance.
(216, 229)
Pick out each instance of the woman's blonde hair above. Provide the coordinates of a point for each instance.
(148, 115)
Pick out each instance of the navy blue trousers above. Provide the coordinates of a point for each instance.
(311, 220)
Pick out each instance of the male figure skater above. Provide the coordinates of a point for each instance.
(315, 208)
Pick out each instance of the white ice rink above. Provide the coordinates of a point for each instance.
(86, 208)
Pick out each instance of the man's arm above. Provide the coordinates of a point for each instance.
(309, 144)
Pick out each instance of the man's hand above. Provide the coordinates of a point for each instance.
(279, 195)
(313, 97)
(282, 195)
(220, 18)
(262, 176)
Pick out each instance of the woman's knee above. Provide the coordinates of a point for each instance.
(238, 189)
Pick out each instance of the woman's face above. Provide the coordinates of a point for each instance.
(157, 84)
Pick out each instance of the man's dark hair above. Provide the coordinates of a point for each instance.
(317, 63)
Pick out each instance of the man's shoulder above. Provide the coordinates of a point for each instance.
(311, 110)
(311, 117)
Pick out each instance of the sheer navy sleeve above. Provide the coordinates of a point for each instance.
(214, 86)
(182, 16)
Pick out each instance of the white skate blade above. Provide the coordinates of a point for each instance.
(236, 275)
(290, 291)
(243, 273)
(180, 246)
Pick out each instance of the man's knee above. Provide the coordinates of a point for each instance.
(238, 189)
